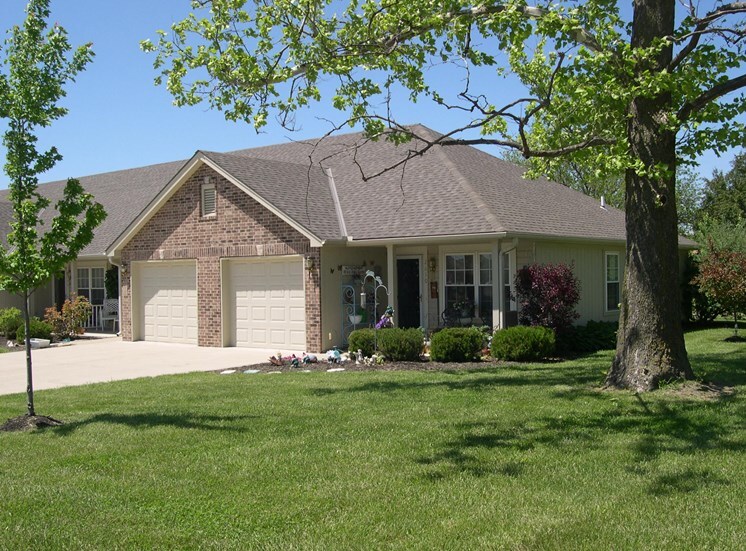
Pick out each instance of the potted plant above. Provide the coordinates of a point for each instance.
(357, 318)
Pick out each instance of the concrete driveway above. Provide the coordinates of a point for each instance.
(111, 359)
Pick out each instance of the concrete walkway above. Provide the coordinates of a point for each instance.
(104, 359)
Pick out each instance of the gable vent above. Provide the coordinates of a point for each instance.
(209, 198)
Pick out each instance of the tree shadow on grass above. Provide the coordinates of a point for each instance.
(728, 369)
(656, 428)
(153, 420)
(559, 375)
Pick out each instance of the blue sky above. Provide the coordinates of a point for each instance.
(118, 119)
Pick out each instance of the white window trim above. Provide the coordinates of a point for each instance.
(208, 187)
(476, 268)
(90, 287)
(618, 281)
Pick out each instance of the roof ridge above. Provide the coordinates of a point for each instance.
(337, 204)
(483, 208)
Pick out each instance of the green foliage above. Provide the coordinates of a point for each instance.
(70, 320)
(720, 234)
(394, 343)
(255, 60)
(588, 338)
(399, 344)
(523, 344)
(39, 330)
(725, 194)
(362, 339)
(111, 282)
(10, 320)
(457, 344)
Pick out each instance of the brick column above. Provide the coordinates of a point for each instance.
(210, 302)
(313, 300)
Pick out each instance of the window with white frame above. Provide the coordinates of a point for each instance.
(91, 284)
(468, 285)
(612, 274)
(209, 199)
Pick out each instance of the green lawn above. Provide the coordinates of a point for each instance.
(514, 457)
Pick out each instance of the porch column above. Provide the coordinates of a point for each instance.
(390, 283)
(497, 285)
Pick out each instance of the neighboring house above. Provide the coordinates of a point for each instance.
(267, 247)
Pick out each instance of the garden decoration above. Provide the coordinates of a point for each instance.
(387, 319)
(378, 284)
(333, 356)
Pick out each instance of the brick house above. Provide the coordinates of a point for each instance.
(269, 247)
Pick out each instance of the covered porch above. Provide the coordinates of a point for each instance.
(429, 284)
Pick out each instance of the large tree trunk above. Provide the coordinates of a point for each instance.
(29, 371)
(650, 342)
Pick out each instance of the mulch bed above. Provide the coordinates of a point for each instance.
(352, 366)
(28, 422)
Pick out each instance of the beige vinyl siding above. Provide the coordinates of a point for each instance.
(40, 300)
(332, 257)
(589, 268)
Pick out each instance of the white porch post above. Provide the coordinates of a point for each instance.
(390, 283)
(497, 285)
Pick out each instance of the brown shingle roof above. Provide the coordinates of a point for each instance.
(449, 190)
(124, 194)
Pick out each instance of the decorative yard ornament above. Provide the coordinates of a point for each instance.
(377, 284)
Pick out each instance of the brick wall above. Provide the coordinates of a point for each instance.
(241, 228)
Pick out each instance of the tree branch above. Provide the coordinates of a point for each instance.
(712, 94)
(702, 28)
(389, 44)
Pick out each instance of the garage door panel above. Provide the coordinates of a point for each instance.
(298, 314)
(268, 303)
(168, 302)
(298, 339)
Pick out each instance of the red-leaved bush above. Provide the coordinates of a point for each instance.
(722, 277)
(547, 295)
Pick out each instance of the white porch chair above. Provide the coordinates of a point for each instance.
(110, 312)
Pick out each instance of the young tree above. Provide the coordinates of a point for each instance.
(35, 65)
(722, 276)
(636, 96)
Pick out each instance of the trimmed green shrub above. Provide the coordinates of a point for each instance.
(523, 344)
(589, 338)
(362, 339)
(394, 343)
(39, 330)
(400, 345)
(10, 320)
(457, 344)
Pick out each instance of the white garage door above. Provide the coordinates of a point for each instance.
(268, 303)
(168, 302)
